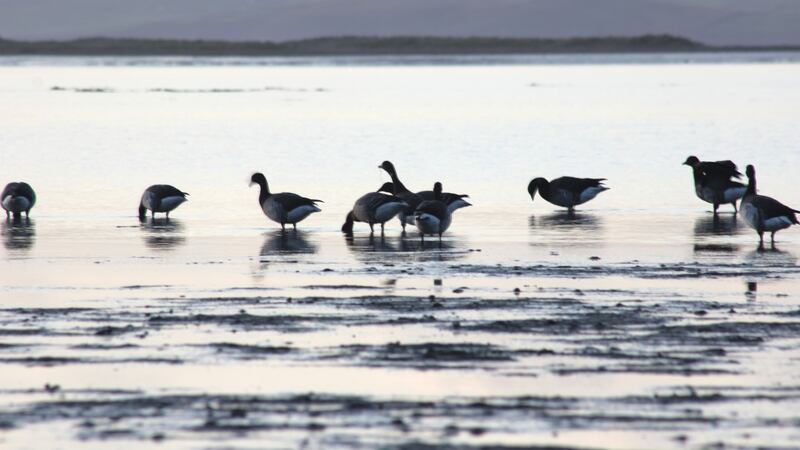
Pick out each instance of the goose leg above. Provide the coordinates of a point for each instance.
(371, 228)
(761, 239)
(735, 209)
(153, 215)
(772, 239)
(283, 226)
(716, 205)
(382, 229)
(294, 225)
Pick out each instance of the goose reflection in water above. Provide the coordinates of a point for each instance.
(567, 228)
(378, 249)
(163, 234)
(716, 226)
(566, 221)
(706, 227)
(18, 233)
(287, 243)
(771, 257)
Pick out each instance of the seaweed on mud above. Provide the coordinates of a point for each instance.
(146, 416)
(426, 355)
(283, 322)
(651, 271)
(244, 351)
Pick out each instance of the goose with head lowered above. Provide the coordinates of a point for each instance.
(762, 213)
(713, 181)
(372, 208)
(433, 216)
(400, 190)
(18, 197)
(283, 207)
(161, 198)
(567, 192)
(453, 201)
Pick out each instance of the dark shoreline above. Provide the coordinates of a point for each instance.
(369, 46)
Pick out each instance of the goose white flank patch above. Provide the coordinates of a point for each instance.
(453, 201)
(762, 213)
(399, 190)
(284, 207)
(17, 198)
(160, 198)
(372, 208)
(713, 182)
(433, 216)
(567, 192)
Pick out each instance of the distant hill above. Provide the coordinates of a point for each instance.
(353, 45)
(714, 22)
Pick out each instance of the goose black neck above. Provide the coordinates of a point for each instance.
(264, 194)
(347, 228)
(751, 184)
(698, 175)
(399, 187)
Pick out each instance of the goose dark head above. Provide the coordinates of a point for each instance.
(258, 178)
(387, 187)
(437, 191)
(750, 171)
(691, 161)
(536, 184)
(387, 166)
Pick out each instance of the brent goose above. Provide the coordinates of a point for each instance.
(764, 213)
(713, 183)
(399, 190)
(160, 198)
(284, 207)
(453, 201)
(432, 216)
(567, 191)
(373, 208)
(18, 197)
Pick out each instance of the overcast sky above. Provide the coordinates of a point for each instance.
(726, 22)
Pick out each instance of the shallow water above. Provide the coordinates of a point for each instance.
(640, 322)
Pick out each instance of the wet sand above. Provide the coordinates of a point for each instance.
(554, 337)
(639, 323)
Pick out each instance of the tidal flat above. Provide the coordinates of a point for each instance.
(640, 322)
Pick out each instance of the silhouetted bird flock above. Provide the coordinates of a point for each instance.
(432, 211)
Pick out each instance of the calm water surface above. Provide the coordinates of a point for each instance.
(216, 309)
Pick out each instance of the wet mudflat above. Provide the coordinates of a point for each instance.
(638, 323)
(313, 340)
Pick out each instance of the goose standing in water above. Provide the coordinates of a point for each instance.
(372, 208)
(764, 213)
(400, 190)
(161, 198)
(713, 183)
(433, 216)
(453, 201)
(284, 207)
(18, 197)
(567, 192)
